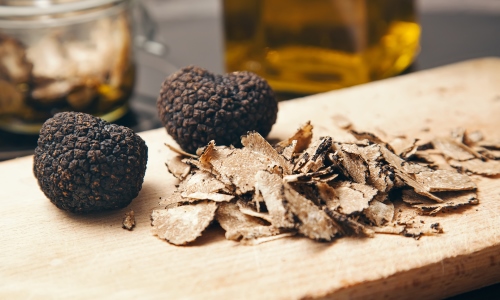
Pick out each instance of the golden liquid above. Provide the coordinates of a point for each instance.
(312, 46)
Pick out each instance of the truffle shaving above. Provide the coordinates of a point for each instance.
(380, 175)
(349, 226)
(289, 150)
(371, 137)
(256, 143)
(202, 182)
(217, 197)
(472, 138)
(312, 158)
(328, 196)
(240, 226)
(183, 224)
(354, 197)
(270, 186)
(477, 166)
(177, 167)
(397, 163)
(404, 147)
(444, 180)
(322, 190)
(303, 138)
(313, 222)
(379, 213)
(453, 150)
(450, 200)
(239, 166)
(352, 163)
(249, 210)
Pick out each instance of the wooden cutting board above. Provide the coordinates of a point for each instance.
(47, 253)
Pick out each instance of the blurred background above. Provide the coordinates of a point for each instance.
(193, 32)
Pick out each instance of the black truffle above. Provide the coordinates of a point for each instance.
(196, 106)
(85, 164)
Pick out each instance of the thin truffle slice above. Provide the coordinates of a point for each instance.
(270, 186)
(248, 209)
(371, 137)
(380, 213)
(202, 182)
(240, 226)
(237, 167)
(183, 224)
(322, 175)
(445, 180)
(450, 200)
(381, 176)
(303, 136)
(313, 157)
(454, 150)
(348, 226)
(14, 65)
(411, 222)
(217, 197)
(472, 138)
(177, 167)
(403, 147)
(488, 153)
(352, 163)
(398, 164)
(264, 198)
(477, 166)
(174, 199)
(256, 143)
(353, 197)
(313, 222)
(289, 151)
(200, 185)
(328, 196)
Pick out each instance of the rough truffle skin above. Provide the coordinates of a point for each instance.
(196, 106)
(84, 164)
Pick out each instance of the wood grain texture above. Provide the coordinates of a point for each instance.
(47, 253)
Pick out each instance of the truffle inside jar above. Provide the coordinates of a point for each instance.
(83, 66)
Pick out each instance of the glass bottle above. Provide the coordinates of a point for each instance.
(311, 46)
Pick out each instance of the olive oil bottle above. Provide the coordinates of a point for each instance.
(311, 46)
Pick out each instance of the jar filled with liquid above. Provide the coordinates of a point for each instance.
(63, 55)
(310, 46)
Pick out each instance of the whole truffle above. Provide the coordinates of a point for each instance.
(196, 106)
(85, 164)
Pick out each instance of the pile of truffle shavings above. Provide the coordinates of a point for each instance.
(321, 188)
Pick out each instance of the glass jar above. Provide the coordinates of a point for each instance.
(312, 46)
(64, 55)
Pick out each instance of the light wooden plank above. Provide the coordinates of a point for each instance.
(47, 253)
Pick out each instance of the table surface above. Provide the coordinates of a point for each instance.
(48, 253)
